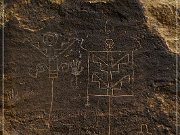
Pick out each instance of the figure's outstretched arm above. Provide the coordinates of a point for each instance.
(35, 45)
(67, 45)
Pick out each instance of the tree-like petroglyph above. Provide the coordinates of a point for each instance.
(84, 67)
(110, 73)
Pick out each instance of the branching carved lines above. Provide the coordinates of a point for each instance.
(121, 81)
(100, 61)
(99, 81)
(119, 61)
(107, 70)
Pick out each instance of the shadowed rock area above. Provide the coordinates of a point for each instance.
(79, 67)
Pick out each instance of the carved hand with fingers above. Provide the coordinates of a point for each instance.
(76, 67)
(76, 70)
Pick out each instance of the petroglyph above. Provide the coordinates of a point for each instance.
(110, 64)
(110, 73)
(76, 70)
(53, 67)
(144, 130)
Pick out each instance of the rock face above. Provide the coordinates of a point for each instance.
(162, 18)
(79, 67)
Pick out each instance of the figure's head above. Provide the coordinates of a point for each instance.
(109, 27)
(109, 44)
(50, 39)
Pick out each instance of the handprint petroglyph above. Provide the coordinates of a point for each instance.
(76, 70)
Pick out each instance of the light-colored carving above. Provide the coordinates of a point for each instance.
(144, 130)
(105, 66)
(76, 70)
(52, 66)
(108, 67)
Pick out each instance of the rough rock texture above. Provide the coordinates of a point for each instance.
(115, 75)
(161, 17)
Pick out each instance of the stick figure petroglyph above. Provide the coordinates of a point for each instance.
(52, 54)
(52, 65)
